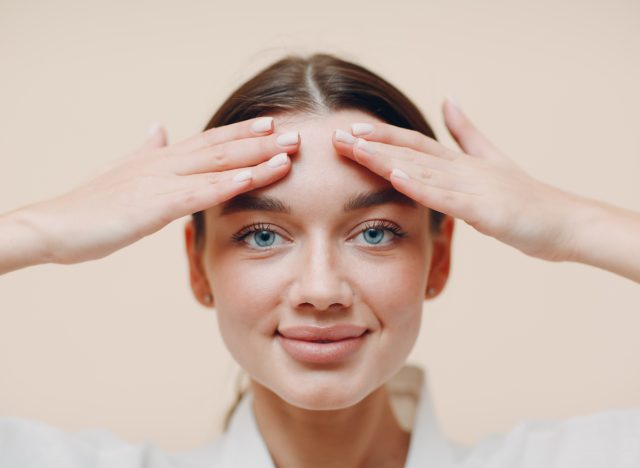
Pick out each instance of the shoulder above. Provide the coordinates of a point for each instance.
(604, 439)
(30, 443)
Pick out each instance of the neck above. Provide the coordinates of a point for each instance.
(364, 435)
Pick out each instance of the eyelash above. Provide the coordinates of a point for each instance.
(373, 224)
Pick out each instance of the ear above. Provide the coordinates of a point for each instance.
(197, 277)
(441, 258)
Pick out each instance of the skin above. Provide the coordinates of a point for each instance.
(322, 270)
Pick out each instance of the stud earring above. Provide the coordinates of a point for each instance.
(431, 291)
(208, 298)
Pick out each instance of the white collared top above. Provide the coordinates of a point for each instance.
(604, 440)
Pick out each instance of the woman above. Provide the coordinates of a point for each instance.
(319, 279)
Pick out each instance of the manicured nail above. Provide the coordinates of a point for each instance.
(454, 101)
(153, 129)
(365, 146)
(279, 159)
(345, 137)
(242, 176)
(361, 128)
(263, 124)
(288, 139)
(399, 173)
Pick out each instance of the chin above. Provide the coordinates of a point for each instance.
(321, 402)
(315, 395)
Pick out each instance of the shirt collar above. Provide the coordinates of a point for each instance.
(244, 445)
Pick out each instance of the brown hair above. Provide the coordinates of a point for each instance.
(317, 84)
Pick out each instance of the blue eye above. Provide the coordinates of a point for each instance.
(264, 237)
(375, 233)
(375, 230)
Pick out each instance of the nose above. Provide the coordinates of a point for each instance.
(320, 282)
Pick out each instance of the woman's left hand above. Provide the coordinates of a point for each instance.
(480, 185)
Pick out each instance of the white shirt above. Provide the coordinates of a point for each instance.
(608, 439)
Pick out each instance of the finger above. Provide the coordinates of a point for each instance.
(237, 153)
(464, 132)
(423, 167)
(433, 177)
(456, 204)
(398, 136)
(217, 135)
(156, 138)
(203, 191)
(380, 157)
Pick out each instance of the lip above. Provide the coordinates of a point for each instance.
(306, 350)
(335, 332)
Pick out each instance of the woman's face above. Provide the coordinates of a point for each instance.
(320, 265)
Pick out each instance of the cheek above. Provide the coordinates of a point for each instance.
(246, 293)
(395, 289)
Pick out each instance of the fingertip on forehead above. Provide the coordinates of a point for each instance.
(343, 118)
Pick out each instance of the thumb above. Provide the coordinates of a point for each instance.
(465, 133)
(156, 137)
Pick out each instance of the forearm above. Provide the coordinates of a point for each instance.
(607, 237)
(21, 243)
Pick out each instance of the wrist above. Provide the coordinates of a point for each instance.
(587, 226)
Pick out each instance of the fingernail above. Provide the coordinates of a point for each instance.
(361, 128)
(263, 124)
(454, 101)
(365, 146)
(242, 176)
(345, 137)
(153, 129)
(288, 139)
(399, 173)
(279, 159)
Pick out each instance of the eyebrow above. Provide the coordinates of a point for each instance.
(248, 202)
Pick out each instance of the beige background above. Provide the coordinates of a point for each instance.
(121, 344)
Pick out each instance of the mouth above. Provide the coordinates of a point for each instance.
(327, 333)
(322, 351)
(277, 333)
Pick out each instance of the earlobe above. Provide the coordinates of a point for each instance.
(208, 299)
(441, 260)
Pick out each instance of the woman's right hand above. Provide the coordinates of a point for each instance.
(156, 184)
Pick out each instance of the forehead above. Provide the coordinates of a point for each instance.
(320, 181)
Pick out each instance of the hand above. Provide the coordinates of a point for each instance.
(154, 185)
(481, 185)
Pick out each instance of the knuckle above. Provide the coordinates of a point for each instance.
(212, 178)
(426, 174)
(187, 200)
(451, 200)
(219, 156)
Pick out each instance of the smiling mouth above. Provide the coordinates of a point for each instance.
(322, 351)
(277, 333)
